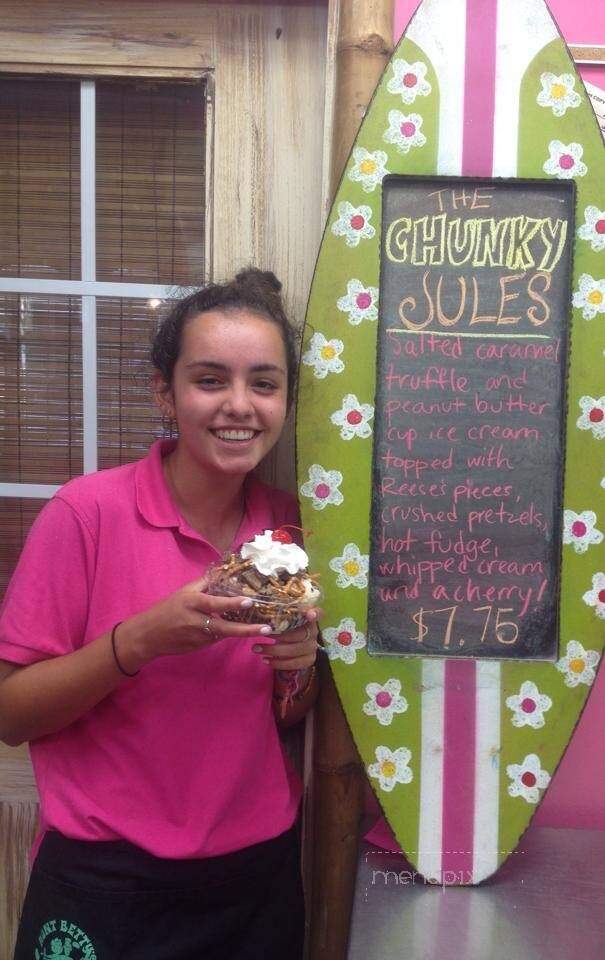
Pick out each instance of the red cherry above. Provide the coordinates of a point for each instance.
(596, 415)
(528, 779)
(281, 536)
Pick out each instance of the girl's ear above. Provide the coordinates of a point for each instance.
(163, 396)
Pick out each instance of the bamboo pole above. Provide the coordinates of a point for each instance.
(363, 47)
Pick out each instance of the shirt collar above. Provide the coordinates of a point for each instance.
(153, 497)
(157, 507)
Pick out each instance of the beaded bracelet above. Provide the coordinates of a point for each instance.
(115, 652)
(293, 694)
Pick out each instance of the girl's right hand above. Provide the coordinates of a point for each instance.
(185, 621)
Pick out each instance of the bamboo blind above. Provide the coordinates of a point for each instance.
(150, 223)
(39, 179)
(150, 182)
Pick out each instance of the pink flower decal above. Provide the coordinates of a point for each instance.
(596, 597)
(527, 778)
(593, 416)
(322, 487)
(353, 223)
(528, 706)
(360, 302)
(565, 160)
(404, 131)
(343, 642)
(385, 701)
(593, 228)
(409, 80)
(579, 529)
(353, 418)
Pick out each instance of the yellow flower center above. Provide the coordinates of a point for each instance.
(557, 91)
(388, 768)
(351, 568)
(328, 352)
(577, 665)
(367, 166)
(595, 297)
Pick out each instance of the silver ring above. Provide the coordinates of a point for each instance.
(206, 625)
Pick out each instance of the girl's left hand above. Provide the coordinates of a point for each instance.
(294, 649)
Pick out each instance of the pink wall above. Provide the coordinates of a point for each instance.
(576, 797)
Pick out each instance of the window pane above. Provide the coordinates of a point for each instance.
(40, 388)
(150, 182)
(128, 420)
(16, 518)
(39, 179)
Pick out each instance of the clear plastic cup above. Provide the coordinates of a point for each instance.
(279, 613)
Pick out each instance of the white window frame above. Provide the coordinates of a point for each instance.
(89, 288)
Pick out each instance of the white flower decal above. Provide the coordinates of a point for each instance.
(361, 303)
(409, 80)
(528, 706)
(322, 486)
(343, 642)
(579, 529)
(528, 778)
(391, 767)
(578, 664)
(593, 228)
(385, 701)
(565, 160)
(353, 223)
(353, 418)
(351, 567)
(368, 168)
(593, 416)
(558, 93)
(596, 597)
(324, 356)
(590, 296)
(404, 131)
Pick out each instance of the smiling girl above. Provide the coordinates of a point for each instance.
(167, 805)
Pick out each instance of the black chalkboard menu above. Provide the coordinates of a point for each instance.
(469, 417)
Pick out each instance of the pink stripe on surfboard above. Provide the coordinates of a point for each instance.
(458, 772)
(479, 88)
(460, 675)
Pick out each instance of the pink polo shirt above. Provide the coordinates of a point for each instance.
(184, 759)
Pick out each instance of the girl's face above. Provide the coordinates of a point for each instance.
(229, 390)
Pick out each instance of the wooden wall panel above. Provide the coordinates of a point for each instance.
(268, 208)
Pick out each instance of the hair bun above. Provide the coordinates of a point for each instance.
(253, 277)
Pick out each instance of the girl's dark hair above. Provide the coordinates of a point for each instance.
(256, 290)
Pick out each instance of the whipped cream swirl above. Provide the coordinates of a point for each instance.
(270, 556)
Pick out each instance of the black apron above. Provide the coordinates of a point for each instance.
(111, 900)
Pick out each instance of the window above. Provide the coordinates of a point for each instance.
(102, 221)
